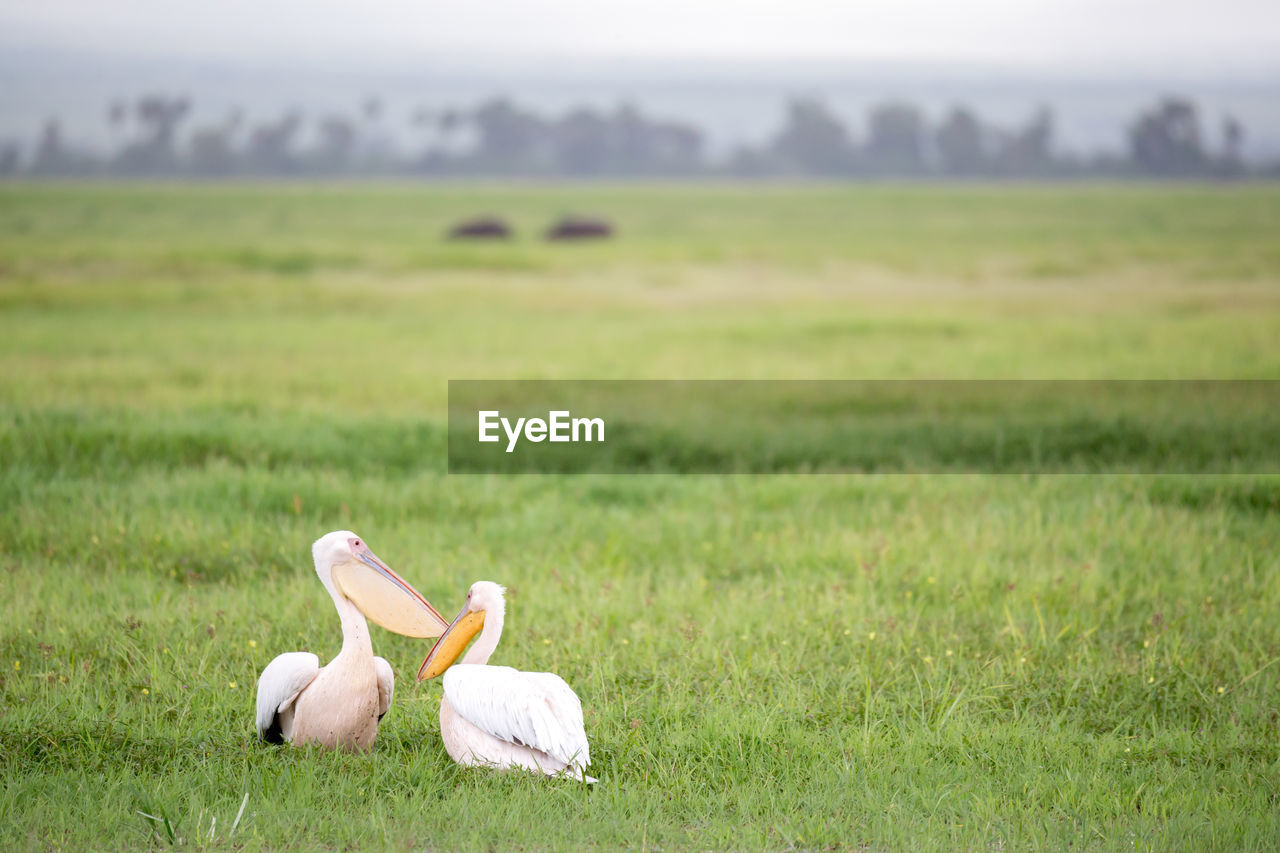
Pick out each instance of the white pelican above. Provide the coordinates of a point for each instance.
(339, 705)
(496, 716)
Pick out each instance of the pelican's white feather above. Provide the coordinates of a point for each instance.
(386, 684)
(533, 709)
(279, 685)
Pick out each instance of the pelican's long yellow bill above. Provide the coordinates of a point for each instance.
(450, 645)
(386, 598)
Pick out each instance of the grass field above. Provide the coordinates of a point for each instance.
(196, 382)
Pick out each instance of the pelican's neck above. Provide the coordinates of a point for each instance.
(484, 645)
(355, 628)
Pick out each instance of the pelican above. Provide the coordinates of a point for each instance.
(340, 705)
(496, 716)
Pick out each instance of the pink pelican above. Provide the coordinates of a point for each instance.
(496, 716)
(340, 705)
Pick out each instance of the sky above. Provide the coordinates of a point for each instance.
(1143, 36)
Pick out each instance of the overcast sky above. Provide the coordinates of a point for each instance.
(1208, 36)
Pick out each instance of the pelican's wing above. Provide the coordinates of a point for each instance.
(533, 709)
(386, 685)
(278, 687)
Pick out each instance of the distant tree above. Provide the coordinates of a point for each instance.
(635, 143)
(212, 149)
(448, 120)
(1028, 151)
(1232, 159)
(747, 161)
(960, 144)
(449, 124)
(423, 124)
(584, 143)
(51, 156)
(509, 138)
(117, 121)
(158, 118)
(271, 146)
(373, 143)
(337, 142)
(813, 141)
(1165, 140)
(675, 147)
(642, 146)
(895, 140)
(8, 159)
(452, 142)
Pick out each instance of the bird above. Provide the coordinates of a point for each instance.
(340, 705)
(496, 716)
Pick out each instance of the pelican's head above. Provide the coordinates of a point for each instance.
(484, 598)
(348, 568)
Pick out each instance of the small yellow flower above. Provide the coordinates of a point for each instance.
(1024, 660)
(165, 650)
(253, 644)
(928, 659)
(1146, 644)
(1126, 749)
(948, 652)
(1151, 679)
(546, 642)
(847, 632)
(871, 636)
(625, 641)
(146, 692)
(933, 580)
(231, 684)
(17, 664)
(1222, 690)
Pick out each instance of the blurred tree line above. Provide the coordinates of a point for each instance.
(153, 136)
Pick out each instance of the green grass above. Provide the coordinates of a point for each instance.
(196, 382)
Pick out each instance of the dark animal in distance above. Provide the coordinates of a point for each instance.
(485, 228)
(572, 228)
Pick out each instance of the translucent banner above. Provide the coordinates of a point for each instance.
(890, 426)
